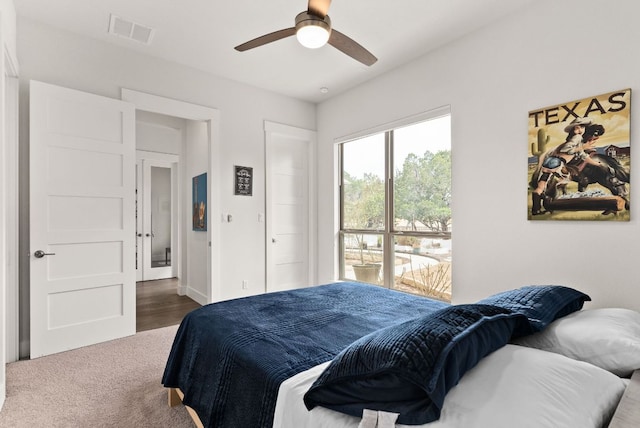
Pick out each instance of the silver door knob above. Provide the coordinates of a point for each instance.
(273, 240)
(38, 254)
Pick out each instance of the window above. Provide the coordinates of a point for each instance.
(395, 202)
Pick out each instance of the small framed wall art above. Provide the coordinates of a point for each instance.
(243, 180)
(199, 200)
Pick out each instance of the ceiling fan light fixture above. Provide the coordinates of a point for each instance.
(312, 31)
(312, 36)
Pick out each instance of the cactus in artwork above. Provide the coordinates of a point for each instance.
(540, 146)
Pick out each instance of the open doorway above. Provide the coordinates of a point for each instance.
(160, 144)
(194, 261)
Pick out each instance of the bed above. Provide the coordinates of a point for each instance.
(348, 354)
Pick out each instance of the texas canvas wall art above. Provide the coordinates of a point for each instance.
(579, 159)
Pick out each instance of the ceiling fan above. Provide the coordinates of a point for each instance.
(313, 30)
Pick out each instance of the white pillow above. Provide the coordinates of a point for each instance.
(608, 338)
(514, 386)
(524, 387)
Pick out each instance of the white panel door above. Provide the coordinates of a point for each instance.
(155, 216)
(288, 207)
(82, 221)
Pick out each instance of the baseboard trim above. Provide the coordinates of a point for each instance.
(196, 296)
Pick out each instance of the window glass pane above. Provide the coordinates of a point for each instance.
(160, 216)
(422, 176)
(363, 183)
(415, 249)
(423, 266)
(362, 257)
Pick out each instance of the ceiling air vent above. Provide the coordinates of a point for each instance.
(130, 30)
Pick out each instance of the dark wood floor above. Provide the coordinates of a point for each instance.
(158, 305)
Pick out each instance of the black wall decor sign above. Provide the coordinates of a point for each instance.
(243, 180)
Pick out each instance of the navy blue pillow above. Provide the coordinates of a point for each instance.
(541, 304)
(408, 368)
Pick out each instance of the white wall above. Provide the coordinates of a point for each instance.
(64, 59)
(159, 133)
(195, 259)
(8, 11)
(550, 53)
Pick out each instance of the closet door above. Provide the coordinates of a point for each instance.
(289, 198)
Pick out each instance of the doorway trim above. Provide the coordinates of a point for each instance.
(9, 197)
(211, 116)
(11, 210)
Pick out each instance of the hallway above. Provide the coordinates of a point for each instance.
(158, 305)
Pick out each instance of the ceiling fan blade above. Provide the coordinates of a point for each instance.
(319, 7)
(351, 48)
(267, 38)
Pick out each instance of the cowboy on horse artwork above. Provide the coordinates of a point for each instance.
(575, 171)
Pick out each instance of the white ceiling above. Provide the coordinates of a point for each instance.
(202, 34)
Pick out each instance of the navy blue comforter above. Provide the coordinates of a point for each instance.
(229, 358)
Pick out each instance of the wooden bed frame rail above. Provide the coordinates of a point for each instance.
(627, 414)
(175, 397)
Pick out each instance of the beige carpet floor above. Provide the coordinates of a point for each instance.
(112, 384)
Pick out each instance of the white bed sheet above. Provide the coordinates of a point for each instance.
(513, 387)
